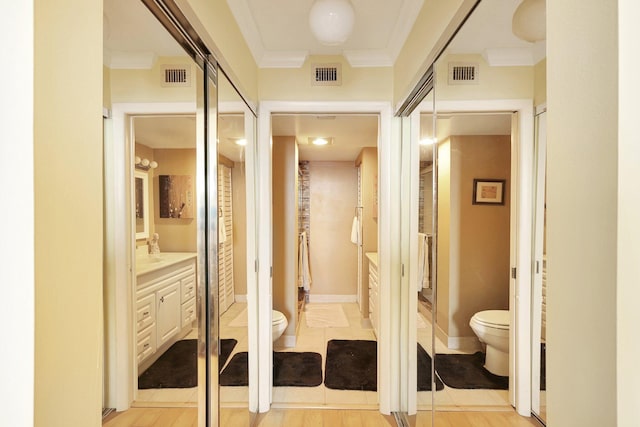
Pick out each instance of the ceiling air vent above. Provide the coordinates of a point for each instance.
(176, 76)
(463, 73)
(326, 74)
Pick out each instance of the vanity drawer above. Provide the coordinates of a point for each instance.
(146, 340)
(188, 312)
(146, 311)
(188, 286)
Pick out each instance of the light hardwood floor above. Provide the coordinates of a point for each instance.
(187, 417)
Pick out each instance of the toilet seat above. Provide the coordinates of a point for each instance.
(497, 319)
(277, 317)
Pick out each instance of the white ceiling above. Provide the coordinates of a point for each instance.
(277, 33)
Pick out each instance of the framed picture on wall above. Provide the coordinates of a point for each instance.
(488, 191)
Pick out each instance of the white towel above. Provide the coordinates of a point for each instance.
(355, 231)
(222, 231)
(304, 272)
(423, 261)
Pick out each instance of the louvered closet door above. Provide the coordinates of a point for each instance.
(225, 260)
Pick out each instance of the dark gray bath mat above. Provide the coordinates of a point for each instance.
(351, 365)
(424, 371)
(236, 373)
(466, 371)
(178, 366)
(292, 369)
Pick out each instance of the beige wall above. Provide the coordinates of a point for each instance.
(473, 239)
(285, 228)
(334, 259)
(493, 82)
(582, 156)
(68, 224)
(145, 85)
(238, 187)
(540, 82)
(294, 84)
(176, 234)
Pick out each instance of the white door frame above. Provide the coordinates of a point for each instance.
(388, 244)
(522, 197)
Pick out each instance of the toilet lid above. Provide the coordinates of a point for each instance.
(499, 319)
(276, 317)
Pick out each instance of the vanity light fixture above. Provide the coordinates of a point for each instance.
(331, 21)
(241, 142)
(428, 141)
(145, 164)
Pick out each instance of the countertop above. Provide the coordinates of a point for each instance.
(148, 263)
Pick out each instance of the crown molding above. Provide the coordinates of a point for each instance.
(294, 59)
(404, 25)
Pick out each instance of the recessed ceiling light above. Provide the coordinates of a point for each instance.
(320, 140)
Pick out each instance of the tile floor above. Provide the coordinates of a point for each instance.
(315, 340)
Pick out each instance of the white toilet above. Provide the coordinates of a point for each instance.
(492, 328)
(278, 324)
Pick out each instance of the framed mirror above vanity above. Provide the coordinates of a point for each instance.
(141, 204)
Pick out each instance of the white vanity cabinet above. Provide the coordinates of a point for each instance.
(374, 298)
(165, 303)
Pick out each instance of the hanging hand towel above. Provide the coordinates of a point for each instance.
(304, 271)
(355, 231)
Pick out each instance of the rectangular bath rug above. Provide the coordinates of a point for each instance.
(178, 366)
(290, 369)
(351, 365)
(466, 371)
(325, 316)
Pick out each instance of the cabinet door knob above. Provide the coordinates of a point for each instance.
(161, 299)
(146, 313)
(146, 345)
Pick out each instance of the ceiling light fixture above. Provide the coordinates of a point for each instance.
(241, 142)
(320, 141)
(529, 21)
(331, 21)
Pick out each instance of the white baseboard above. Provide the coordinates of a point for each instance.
(240, 298)
(332, 298)
(466, 344)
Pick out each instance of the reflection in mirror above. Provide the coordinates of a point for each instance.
(165, 297)
(476, 179)
(425, 283)
(141, 201)
(539, 288)
(232, 254)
